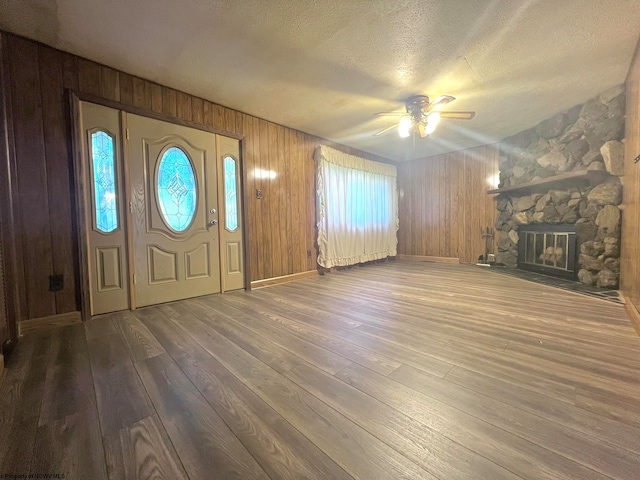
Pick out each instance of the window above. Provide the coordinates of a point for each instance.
(176, 189)
(230, 194)
(104, 181)
(357, 209)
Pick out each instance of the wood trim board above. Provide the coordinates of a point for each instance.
(592, 176)
(246, 198)
(629, 245)
(632, 312)
(127, 199)
(80, 204)
(220, 200)
(149, 113)
(268, 282)
(47, 323)
(427, 258)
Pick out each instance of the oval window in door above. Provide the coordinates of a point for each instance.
(177, 194)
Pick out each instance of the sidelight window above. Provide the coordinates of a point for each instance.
(176, 184)
(230, 194)
(104, 181)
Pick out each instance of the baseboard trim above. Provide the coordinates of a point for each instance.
(47, 323)
(422, 258)
(268, 282)
(632, 312)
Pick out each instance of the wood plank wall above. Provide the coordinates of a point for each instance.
(4, 321)
(7, 261)
(443, 203)
(630, 249)
(281, 226)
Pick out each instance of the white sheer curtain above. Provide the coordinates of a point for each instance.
(357, 209)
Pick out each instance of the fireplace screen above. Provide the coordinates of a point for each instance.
(548, 249)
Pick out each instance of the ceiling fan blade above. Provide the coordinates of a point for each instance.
(440, 101)
(458, 115)
(390, 114)
(422, 131)
(387, 129)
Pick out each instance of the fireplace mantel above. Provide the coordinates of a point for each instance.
(564, 179)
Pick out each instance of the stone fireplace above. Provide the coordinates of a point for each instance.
(559, 193)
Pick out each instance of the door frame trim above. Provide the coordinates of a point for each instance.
(74, 99)
(245, 214)
(143, 112)
(80, 205)
(221, 258)
(126, 182)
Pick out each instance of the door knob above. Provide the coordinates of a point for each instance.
(213, 222)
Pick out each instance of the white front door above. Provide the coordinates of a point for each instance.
(174, 211)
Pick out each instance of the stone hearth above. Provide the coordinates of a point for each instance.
(566, 171)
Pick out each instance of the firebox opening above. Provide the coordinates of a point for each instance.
(548, 249)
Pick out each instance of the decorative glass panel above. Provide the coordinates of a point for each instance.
(230, 194)
(104, 181)
(176, 189)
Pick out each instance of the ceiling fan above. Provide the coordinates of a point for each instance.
(422, 116)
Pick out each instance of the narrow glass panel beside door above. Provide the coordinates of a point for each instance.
(104, 181)
(230, 194)
(231, 246)
(106, 285)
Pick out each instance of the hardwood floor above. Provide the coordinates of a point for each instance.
(394, 370)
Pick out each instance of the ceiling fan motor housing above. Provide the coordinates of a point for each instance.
(417, 108)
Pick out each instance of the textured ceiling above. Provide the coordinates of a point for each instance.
(326, 66)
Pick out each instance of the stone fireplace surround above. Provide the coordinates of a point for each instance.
(566, 170)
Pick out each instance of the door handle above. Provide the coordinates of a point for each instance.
(213, 222)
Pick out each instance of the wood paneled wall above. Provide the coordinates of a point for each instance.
(7, 237)
(630, 249)
(4, 319)
(281, 226)
(4, 155)
(443, 203)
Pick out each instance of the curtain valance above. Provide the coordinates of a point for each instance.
(342, 159)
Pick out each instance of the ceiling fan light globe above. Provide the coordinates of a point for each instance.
(433, 118)
(404, 127)
(430, 127)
